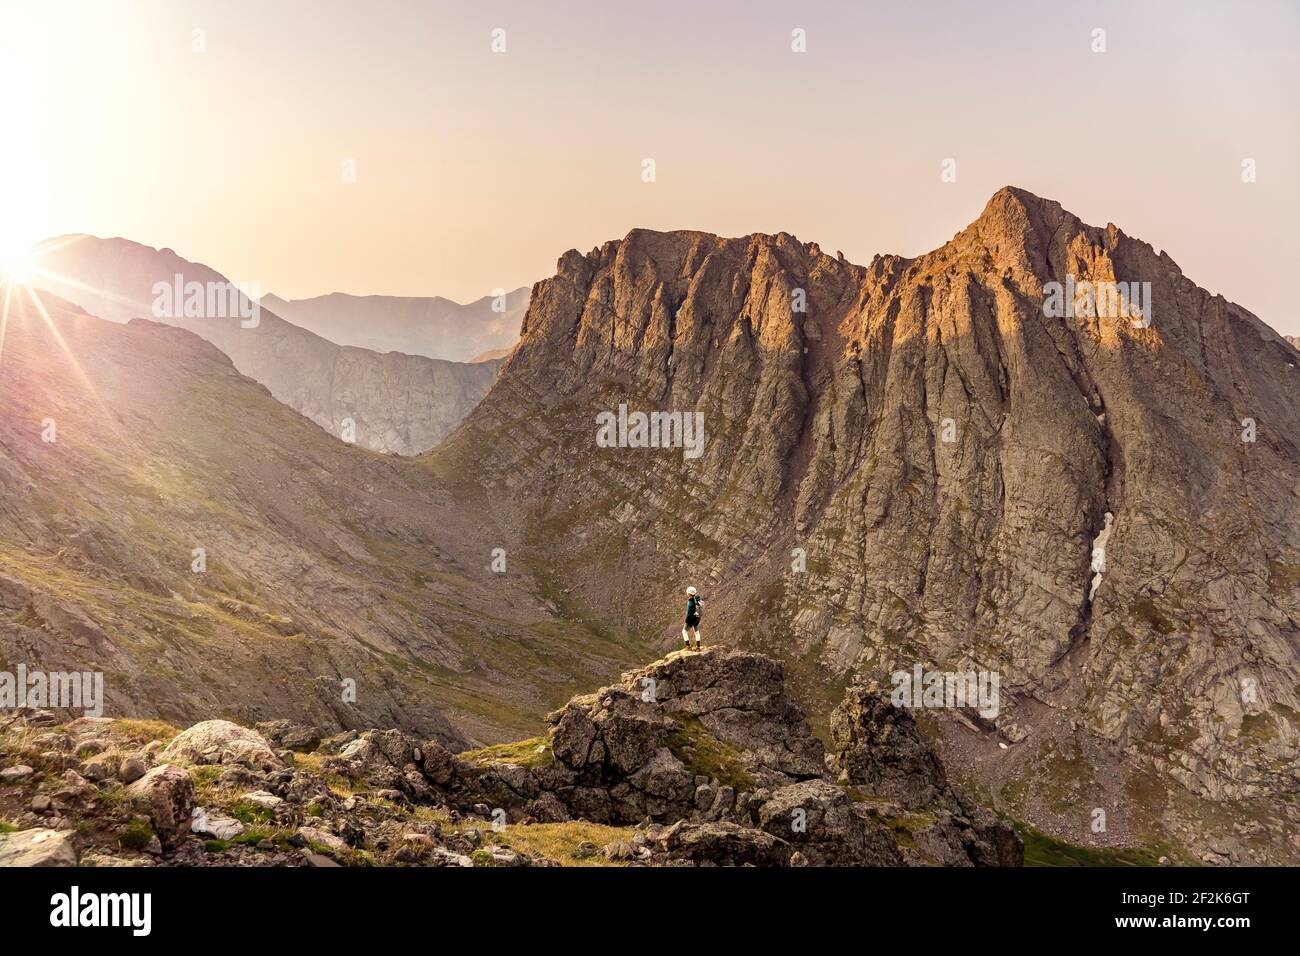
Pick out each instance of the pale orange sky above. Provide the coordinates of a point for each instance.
(476, 170)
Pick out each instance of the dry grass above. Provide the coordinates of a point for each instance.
(559, 841)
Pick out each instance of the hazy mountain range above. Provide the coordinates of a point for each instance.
(387, 402)
(433, 327)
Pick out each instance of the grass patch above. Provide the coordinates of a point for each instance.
(254, 835)
(534, 753)
(205, 778)
(704, 754)
(7, 827)
(560, 841)
(145, 731)
(247, 813)
(1044, 850)
(314, 763)
(137, 835)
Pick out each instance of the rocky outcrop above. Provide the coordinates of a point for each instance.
(879, 748)
(703, 748)
(644, 738)
(698, 759)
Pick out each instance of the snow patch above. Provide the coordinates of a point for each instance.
(1099, 554)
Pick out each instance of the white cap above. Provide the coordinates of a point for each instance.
(690, 590)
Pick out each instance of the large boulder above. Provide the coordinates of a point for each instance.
(658, 742)
(36, 847)
(288, 735)
(827, 826)
(718, 844)
(167, 793)
(223, 742)
(878, 747)
(740, 699)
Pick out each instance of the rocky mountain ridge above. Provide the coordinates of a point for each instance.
(911, 463)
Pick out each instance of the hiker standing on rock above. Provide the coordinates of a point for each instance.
(694, 603)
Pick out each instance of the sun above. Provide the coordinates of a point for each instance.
(17, 263)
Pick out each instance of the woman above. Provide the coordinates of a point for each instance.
(694, 603)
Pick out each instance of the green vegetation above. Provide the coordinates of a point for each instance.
(246, 812)
(702, 753)
(534, 753)
(7, 827)
(137, 835)
(144, 731)
(559, 841)
(1044, 850)
(1146, 610)
(1258, 727)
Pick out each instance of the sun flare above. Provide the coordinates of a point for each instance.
(17, 264)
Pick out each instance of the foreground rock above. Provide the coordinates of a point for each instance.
(700, 759)
(166, 793)
(879, 748)
(223, 742)
(36, 847)
(712, 738)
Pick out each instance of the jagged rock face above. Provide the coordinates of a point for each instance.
(944, 455)
(878, 746)
(395, 402)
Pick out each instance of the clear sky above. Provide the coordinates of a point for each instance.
(476, 170)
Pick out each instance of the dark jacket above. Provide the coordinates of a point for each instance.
(693, 605)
